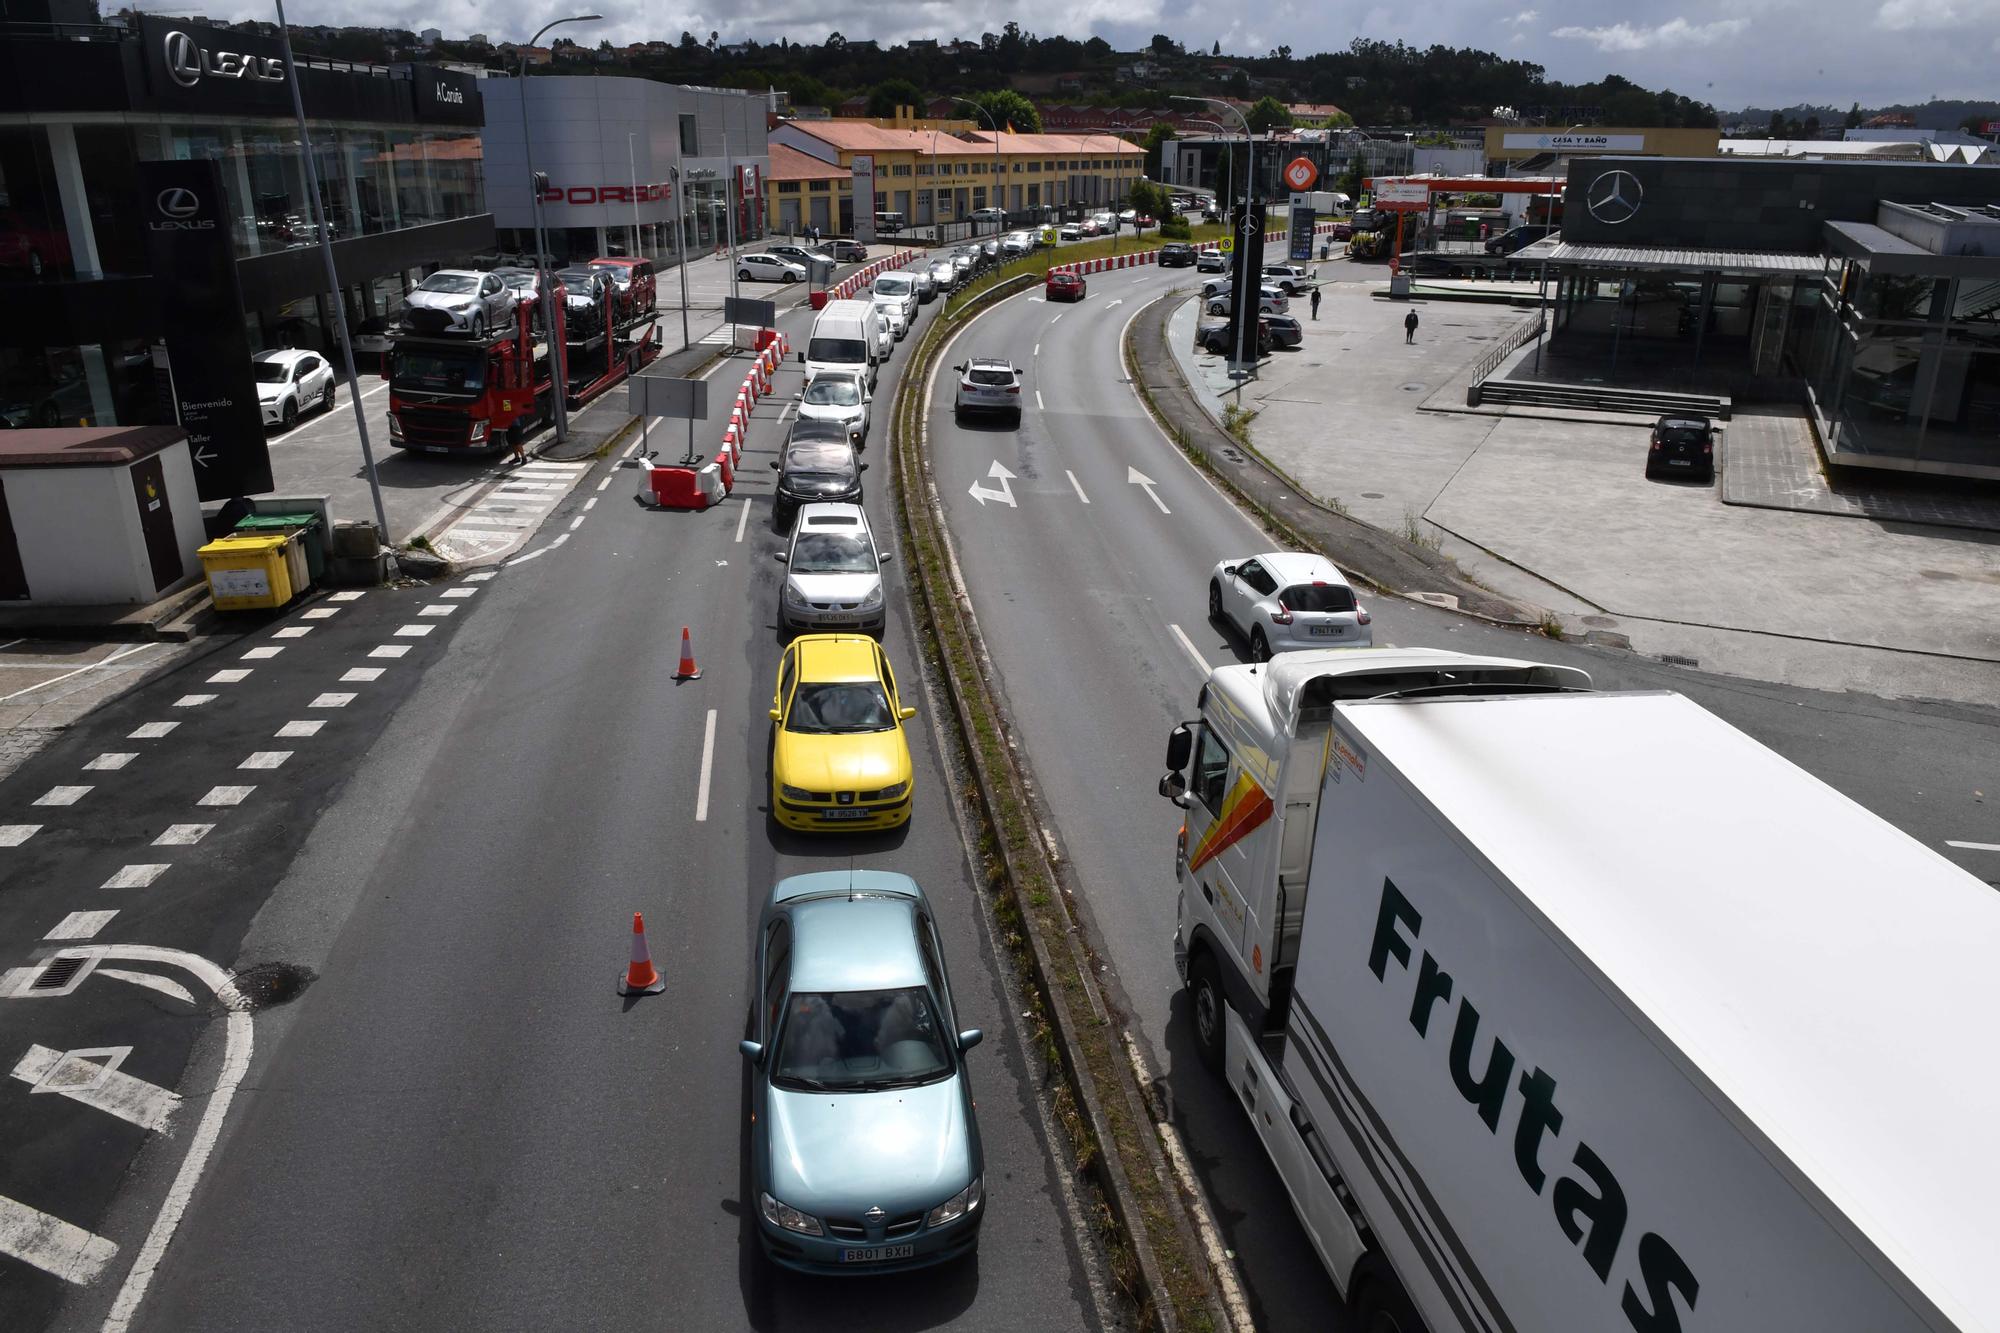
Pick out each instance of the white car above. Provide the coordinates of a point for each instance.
(833, 575)
(1283, 601)
(1069, 231)
(987, 385)
(1291, 279)
(895, 295)
(944, 275)
(768, 268)
(289, 383)
(1016, 244)
(840, 396)
(461, 300)
(1270, 301)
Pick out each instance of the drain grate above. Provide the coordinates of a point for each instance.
(58, 974)
(269, 984)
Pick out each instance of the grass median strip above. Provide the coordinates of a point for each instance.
(1155, 1255)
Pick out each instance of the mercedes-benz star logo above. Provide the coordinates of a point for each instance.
(183, 59)
(1614, 197)
(178, 203)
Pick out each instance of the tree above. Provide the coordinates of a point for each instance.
(1777, 128)
(1097, 48)
(885, 97)
(1160, 132)
(1853, 121)
(1006, 107)
(1269, 114)
(835, 42)
(713, 38)
(1812, 127)
(1216, 49)
(1161, 45)
(1238, 84)
(1147, 200)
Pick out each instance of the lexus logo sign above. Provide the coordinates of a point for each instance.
(1614, 197)
(178, 203)
(188, 63)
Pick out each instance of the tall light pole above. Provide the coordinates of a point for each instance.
(680, 240)
(332, 275)
(1246, 298)
(558, 363)
(960, 99)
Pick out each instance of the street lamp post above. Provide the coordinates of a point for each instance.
(1246, 296)
(958, 100)
(558, 363)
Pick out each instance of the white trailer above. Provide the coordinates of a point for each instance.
(1561, 1011)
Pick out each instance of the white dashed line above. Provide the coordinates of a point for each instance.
(230, 677)
(389, 650)
(414, 631)
(266, 759)
(292, 632)
(322, 613)
(605, 485)
(13, 835)
(182, 835)
(1077, 485)
(458, 594)
(1058, 318)
(590, 504)
(1038, 401)
(351, 595)
(81, 925)
(486, 574)
(439, 609)
(62, 796)
(294, 730)
(332, 700)
(51, 1244)
(152, 731)
(109, 762)
(707, 758)
(361, 675)
(1974, 846)
(226, 796)
(263, 654)
(1200, 662)
(576, 523)
(135, 876)
(743, 518)
(193, 700)
(1038, 349)
(631, 449)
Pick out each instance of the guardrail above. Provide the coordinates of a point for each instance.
(1514, 340)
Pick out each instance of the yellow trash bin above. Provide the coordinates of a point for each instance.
(247, 573)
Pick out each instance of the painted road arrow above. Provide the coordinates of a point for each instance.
(1140, 479)
(1005, 494)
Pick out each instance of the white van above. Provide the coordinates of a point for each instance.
(846, 336)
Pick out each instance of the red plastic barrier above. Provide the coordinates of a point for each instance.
(677, 488)
(727, 463)
(765, 337)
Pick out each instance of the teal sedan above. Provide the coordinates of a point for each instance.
(864, 1148)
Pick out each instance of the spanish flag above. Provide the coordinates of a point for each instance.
(1245, 809)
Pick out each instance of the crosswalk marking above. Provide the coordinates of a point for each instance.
(13, 835)
(182, 835)
(81, 925)
(294, 730)
(135, 876)
(93, 1078)
(51, 1244)
(152, 731)
(226, 796)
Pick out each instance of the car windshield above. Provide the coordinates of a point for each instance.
(272, 372)
(978, 376)
(520, 282)
(831, 553)
(860, 1041)
(1318, 597)
(852, 350)
(837, 707)
(830, 458)
(1683, 433)
(451, 284)
(892, 286)
(833, 391)
(437, 372)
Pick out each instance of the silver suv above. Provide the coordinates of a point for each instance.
(987, 385)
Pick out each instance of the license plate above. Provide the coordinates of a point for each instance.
(1327, 631)
(852, 813)
(1680, 462)
(879, 1254)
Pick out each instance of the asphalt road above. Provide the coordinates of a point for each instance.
(459, 1122)
(1090, 589)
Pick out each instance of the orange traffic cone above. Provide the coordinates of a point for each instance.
(640, 978)
(688, 670)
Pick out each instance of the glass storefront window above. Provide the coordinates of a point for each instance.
(34, 241)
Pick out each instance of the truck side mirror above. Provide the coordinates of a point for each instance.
(1180, 745)
(1174, 787)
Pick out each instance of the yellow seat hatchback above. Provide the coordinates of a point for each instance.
(838, 756)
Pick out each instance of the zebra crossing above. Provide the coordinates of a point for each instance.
(504, 515)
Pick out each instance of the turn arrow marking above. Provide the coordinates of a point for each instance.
(1005, 494)
(1109, 304)
(1140, 479)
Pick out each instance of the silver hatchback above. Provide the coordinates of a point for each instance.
(833, 573)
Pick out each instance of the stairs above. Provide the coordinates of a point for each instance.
(1598, 398)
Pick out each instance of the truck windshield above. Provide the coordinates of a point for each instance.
(437, 372)
(850, 351)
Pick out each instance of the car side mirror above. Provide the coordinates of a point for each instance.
(1227, 569)
(906, 713)
(802, 358)
(967, 1039)
(782, 557)
(864, 467)
(752, 1051)
(1180, 744)
(960, 368)
(884, 557)
(774, 465)
(777, 715)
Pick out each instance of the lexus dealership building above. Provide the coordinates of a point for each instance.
(86, 113)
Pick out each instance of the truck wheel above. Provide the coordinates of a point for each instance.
(1205, 994)
(1384, 1307)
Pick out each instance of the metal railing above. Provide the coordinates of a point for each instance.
(1514, 340)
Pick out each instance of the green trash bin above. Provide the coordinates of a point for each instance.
(306, 525)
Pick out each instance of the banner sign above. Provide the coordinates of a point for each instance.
(1247, 230)
(198, 68)
(193, 261)
(1299, 228)
(1574, 143)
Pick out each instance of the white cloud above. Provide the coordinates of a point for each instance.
(1523, 18)
(1623, 37)
(1915, 15)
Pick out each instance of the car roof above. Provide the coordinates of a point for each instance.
(987, 363)
(867, 941)
(1687, 423)
(831, 518)
(456, 273)
(1302, 567)
(284, 355)
(836, 656)
(824, 448)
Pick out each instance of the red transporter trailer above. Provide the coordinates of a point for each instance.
(601, 356)
(452, 393)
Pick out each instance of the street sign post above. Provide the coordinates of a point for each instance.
(663, 396)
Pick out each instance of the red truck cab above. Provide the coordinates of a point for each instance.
(452, 393)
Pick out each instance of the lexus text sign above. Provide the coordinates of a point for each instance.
(198, 68)
(864, 198)
(201, 312)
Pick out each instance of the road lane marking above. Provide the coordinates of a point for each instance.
(292, 632)
(295, 730)
(461, 594)
(332, 699)
(13, 835)
(182, 835)
(1006, 492)
(1077, 485)
(351, 595)
(57, 680)
(445, 608)
(109, 762)
(264, 759)
(62, 795)
(574, 524)
(230, 677)
(413, 631)
(98, 1082)
(588, 505)
(81, 925)
(785, 415)
(361, 675)
(1112, 305)
(1038, 350)
(150, 980)
(226, 796)
(633, 448)
(743, 518)
(1146, 484)
(486, 574)
(193, 700)
(1058, 318)
(135, 876)
(389, 650)
(1038, 401)
(1975, 846)
(152, 731)
(605, 485)
(321, 613)
(263, 654)
(51, 1244)
(1200, 662)
(707, 758)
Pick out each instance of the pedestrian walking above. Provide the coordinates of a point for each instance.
(1410, 327)
(1315, 303)
(514, 438)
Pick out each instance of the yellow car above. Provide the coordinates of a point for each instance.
(838, 756)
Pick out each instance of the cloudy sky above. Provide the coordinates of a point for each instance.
(1732, 53)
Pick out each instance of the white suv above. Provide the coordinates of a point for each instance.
(1287, 600)
(833, 577)
(986, 385)
(1291, 279)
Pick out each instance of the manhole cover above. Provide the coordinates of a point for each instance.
(1371, 495)
(1601, 622)
(269, 984)
(1415, 388)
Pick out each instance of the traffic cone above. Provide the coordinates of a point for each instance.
(687, 670)
(640, 978)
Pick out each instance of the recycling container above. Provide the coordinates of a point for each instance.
(248, 573)
(305, 528)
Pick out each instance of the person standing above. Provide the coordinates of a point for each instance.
(1410, 327)
(1315, 303)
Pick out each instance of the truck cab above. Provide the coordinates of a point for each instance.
(456, 393)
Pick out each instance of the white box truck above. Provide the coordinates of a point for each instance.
(1562, 1011)
(846, 335)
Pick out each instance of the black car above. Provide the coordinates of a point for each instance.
(1221, 338)
(1507, 242)
(1285, 330)
(1176, 254)
(587, 293)
(819, 466)
(1682, 446)
(848, 252)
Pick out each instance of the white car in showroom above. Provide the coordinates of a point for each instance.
(461, 300)
(833, 575)
(1283, 601)
(841, 396)
(290, 383)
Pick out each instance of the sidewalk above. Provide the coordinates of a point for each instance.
(1556, 514)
